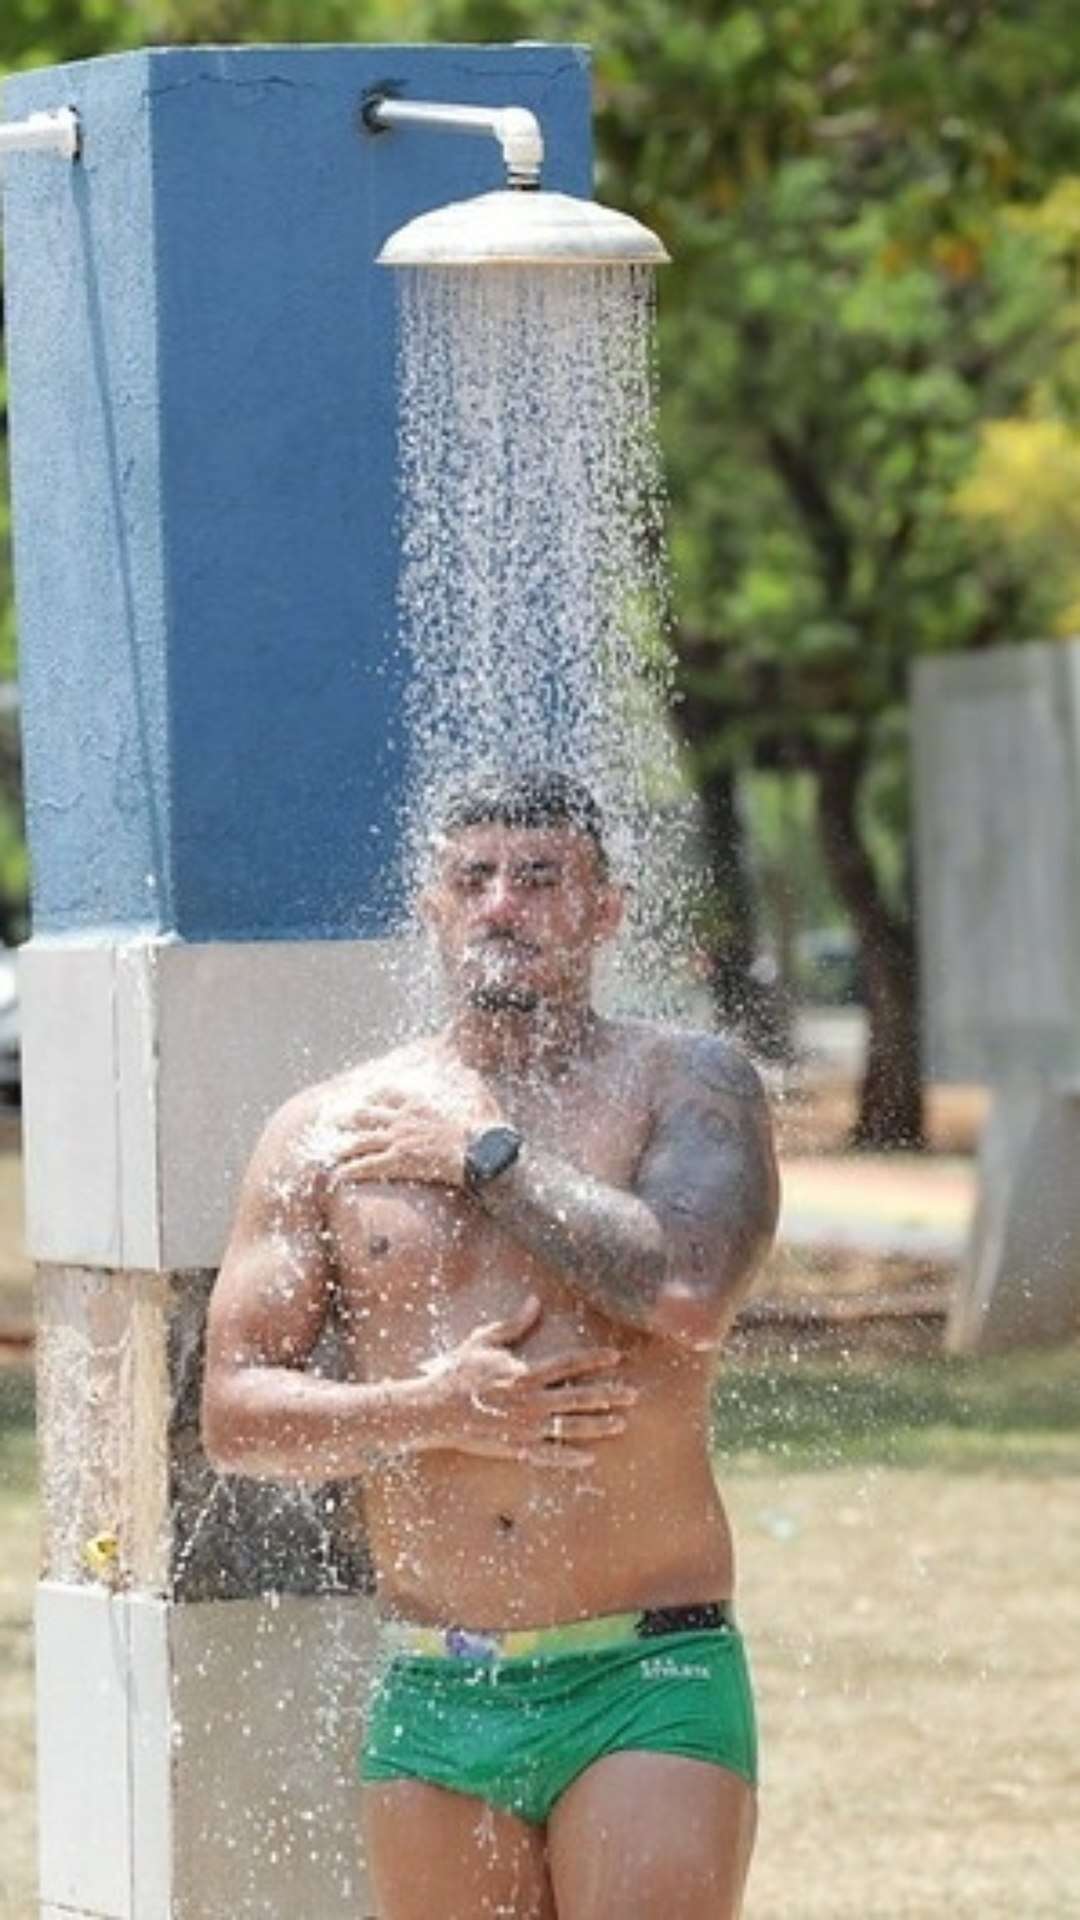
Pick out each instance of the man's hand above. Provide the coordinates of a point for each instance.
(483, 1399)
(415, 1132)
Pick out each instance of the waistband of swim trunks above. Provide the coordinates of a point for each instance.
(570, 1636)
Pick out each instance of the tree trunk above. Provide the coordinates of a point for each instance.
(730, 943)
(751, 1006)
(748, 1005)
(890, 1112)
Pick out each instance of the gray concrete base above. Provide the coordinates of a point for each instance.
(104, 1406)
(997, 809)
(197, 1762)
(119, 1382)
(1019, 1284)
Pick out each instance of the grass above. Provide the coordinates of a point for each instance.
(1019, 1412)
(16, 1425)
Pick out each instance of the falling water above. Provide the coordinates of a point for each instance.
(534, 594)
(534, 608)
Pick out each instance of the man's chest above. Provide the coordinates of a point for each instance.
(420, 1242)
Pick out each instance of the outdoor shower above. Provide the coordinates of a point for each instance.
(518, 225)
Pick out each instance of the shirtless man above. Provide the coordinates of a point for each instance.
(533, 1231)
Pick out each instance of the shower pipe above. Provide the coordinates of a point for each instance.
(56, 132)
(515, 128)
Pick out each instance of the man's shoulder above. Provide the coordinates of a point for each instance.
(720, 1062)
(714, 1060)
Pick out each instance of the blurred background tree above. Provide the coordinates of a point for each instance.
(869, 376)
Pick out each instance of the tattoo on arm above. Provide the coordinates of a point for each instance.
(608, 1243)
(701, 1213)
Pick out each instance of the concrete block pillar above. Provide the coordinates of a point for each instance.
(202, 388)
(1019, 1282)
(996, 738)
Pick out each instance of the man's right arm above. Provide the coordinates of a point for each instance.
(265, 1413)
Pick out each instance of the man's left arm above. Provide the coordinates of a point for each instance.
(677, 1252)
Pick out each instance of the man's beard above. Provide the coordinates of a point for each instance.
(490, 993)
(486, 998)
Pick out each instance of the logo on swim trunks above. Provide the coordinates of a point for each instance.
(663, 1667)
(470, 1646)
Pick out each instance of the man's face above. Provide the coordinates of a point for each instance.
(518, 913)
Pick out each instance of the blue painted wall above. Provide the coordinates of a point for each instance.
(201, 357)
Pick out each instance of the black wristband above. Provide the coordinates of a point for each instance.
(490, 1153)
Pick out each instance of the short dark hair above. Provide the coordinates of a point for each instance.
(526, 797)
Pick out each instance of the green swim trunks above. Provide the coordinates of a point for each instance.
(513, 1718)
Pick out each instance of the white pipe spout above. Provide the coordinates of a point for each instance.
(518, 133)
(515, 128)
(56, 132)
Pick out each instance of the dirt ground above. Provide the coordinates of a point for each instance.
(920, 1755)
(815, 1116)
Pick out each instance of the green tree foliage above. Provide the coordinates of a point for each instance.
(1025, 483)
(854, 299)
(38, 33)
